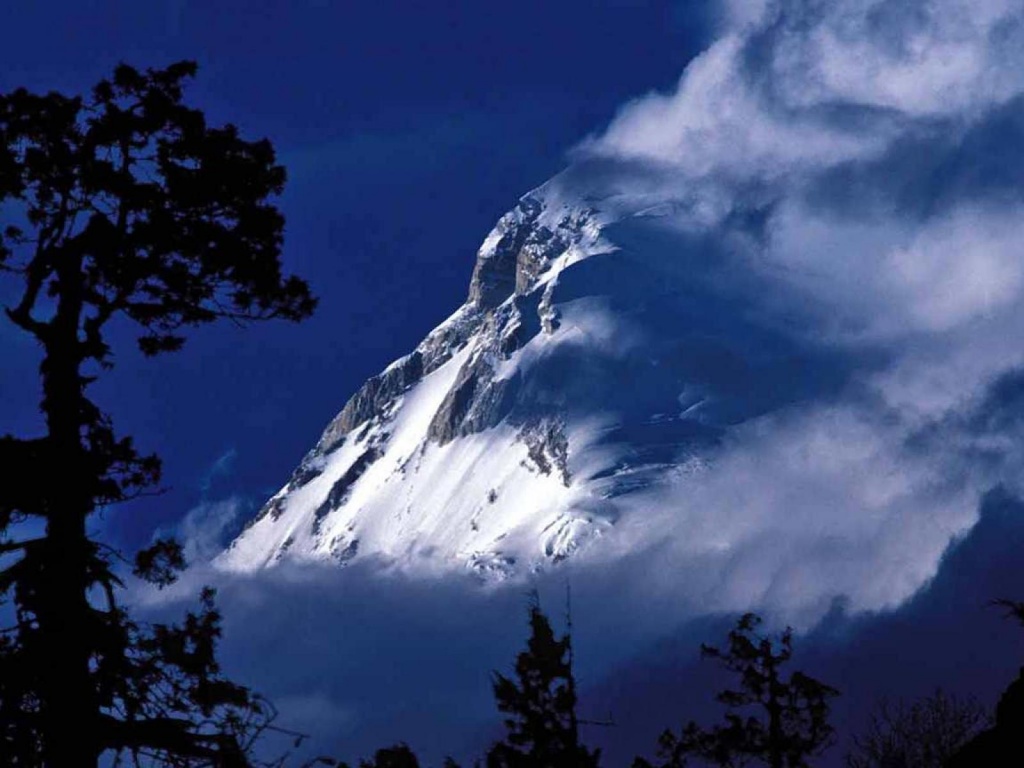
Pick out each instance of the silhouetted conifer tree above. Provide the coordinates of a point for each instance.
(540, 704)
(771, 719)
(126, 207)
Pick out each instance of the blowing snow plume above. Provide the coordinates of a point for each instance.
(758, 336)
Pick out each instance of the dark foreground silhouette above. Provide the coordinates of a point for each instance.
(121, 208)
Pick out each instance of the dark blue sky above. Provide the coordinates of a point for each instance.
(407, 128)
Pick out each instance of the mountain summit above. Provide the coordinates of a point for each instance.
(588, 366)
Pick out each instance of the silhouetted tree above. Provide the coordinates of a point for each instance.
(540, 704)
(770, 719)
(398, 756)
(925, 734)
(121, 207)
(1003, 743)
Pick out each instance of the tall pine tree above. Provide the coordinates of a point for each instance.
(771, 719)
(122, 207)
(540, 705)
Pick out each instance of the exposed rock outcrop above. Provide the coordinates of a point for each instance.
(372, 398)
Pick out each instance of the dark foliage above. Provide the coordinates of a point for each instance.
(398, 756)
(540, 705)
(122, 206)
(771, 719)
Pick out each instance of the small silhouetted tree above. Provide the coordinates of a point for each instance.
(771, 719)
(398, 756)
(120, 208)
(924, 734)
(1003, 743)
(540, 705)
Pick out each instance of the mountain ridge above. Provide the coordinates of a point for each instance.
(460, 382)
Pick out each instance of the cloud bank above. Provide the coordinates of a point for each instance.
(854, 168)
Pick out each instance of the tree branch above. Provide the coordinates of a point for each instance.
(21, 315)
(172, 735)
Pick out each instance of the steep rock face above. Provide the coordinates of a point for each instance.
(373, 398)
(583, 370)
(509, 264)
(520, 248)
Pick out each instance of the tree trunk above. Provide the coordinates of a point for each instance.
(65, 627)
(775, 753)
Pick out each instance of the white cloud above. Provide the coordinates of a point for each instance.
(718, 122)
(924, 58)
(799, 508)
(761, 101)
(891, 276)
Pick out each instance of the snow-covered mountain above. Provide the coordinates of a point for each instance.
(761, 336)
(592, 361)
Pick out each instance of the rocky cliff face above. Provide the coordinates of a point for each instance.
(509, 265)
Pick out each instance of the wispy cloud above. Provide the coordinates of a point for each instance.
(208, 527)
